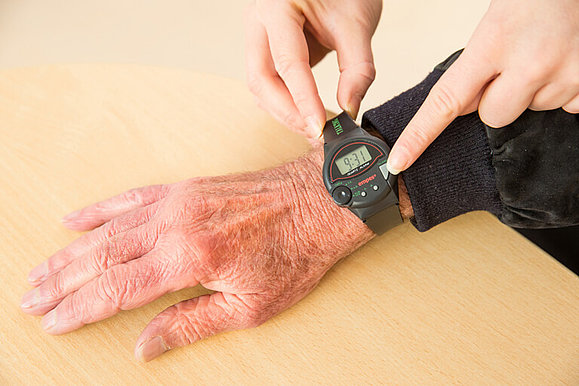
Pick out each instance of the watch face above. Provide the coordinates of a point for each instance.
(354, 159)
(355, 172)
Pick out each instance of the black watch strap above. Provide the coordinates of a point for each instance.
(339, 127)
(385, 220)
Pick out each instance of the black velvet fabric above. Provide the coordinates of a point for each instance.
(526, 173)
(536, 161)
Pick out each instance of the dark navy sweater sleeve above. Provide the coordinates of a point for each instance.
(455, 174)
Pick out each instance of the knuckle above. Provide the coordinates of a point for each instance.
(301, 100)
(111, 228)
(133, 196)
(203, 252)
(75, 307)
(100, 257)
(190, 326)
(285, 65)
(290, 119)
(254, 317)
(366, 70)
(55, 287)
(151, 193)
(254, 82)
(444, 102)
(112, 288)
(250, 312)
(116, 250)
(119, 224)
(60, 259)
(535, 74)
(419, 137)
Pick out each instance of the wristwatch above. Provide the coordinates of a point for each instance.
(355, 174)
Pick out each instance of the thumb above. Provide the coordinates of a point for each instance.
(192, 320)
(357, 71)
(451, 96)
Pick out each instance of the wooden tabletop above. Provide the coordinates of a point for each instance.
(470, 301)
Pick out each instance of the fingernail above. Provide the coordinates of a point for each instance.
(38, 273)
(30, 299)
(314, 126)
(151, 349)
(49, 321)
(71, 216)
(392, 168)
(352, 111)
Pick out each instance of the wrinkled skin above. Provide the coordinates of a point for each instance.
(261, 240)
(523, 54)
(285, 38)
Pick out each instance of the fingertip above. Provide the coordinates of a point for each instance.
(37, 274)
(396, 162)
(49, 322)
(316, 141)
(391, 168)
(71, 216)
(72, 220)
(30, 300)
(81, 222)
(74, 225)
(150, 349)
(79, 227)
(352, 108)
(315, 126)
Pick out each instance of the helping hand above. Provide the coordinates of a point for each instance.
(286, 37)
(523, 54)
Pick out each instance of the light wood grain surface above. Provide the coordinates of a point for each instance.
(467, 302)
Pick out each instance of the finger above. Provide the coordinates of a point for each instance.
(357, 71)
(193, 320)
(572, 106)
(289, 50)
(552, 96)
(101, 212)
(88, 241)
(505, 99)
(449, 98)
(265, 83)
(122, 287)
(118, 249)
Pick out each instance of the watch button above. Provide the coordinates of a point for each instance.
(342, 195)
(384, 171)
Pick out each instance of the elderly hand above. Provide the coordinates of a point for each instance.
(261, 240)
(524, 54)
(286, 37)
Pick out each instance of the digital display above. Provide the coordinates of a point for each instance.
(353, 159)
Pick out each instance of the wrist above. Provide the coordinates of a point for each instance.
(406, 210)
(334, 231)
(310, 192)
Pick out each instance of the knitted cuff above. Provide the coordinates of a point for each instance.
(455, 174)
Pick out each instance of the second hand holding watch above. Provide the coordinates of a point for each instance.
(355, 174)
